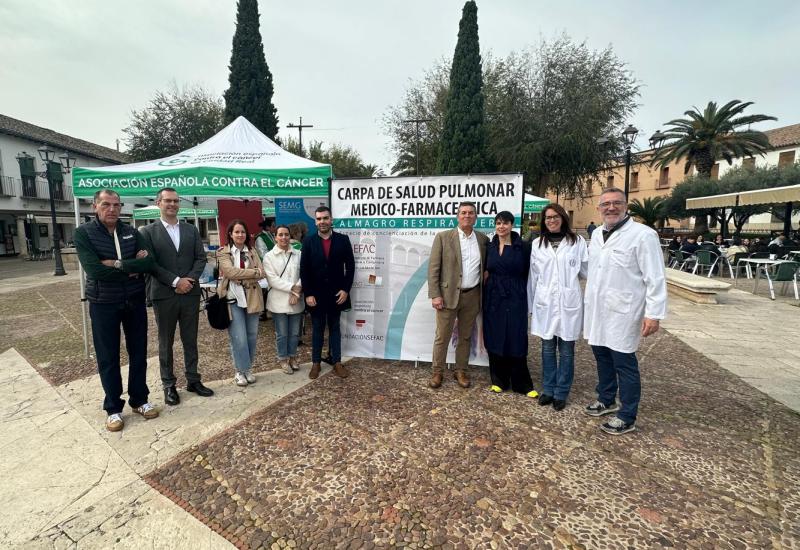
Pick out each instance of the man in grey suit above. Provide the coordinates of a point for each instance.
(455, 275)
(173, 290)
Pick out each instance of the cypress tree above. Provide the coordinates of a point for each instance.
(463, 146)
(250, 91)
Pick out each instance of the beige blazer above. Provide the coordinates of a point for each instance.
(247, 277)
(444, 268)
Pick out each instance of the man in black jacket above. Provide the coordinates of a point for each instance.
(174, 290)
(326, 273)
(114, 257)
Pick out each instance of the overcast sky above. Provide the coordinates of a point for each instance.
(79, 67)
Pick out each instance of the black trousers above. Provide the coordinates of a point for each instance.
(183, 310)
(106, 321)
(510, 372)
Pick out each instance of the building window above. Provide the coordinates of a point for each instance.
(28, 174)
(57, 178)
(663, 178)
(610, 181)
(634, 180)
(749, 162)
(786, 158)
(715, 171)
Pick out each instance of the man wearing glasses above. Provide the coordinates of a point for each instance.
(114, 257)
(626, 296)
(172, 287)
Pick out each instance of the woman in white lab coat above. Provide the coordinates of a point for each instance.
(558, 258)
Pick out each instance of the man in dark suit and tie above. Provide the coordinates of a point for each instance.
(326, 273)
(173, 290)
(455, 276)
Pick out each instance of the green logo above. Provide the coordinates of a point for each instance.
(182, 159)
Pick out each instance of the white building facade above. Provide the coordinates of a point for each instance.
(25, 219)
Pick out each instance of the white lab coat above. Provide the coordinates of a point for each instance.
(626, 283)
(554, 293)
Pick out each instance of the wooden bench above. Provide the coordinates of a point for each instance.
(698, 289)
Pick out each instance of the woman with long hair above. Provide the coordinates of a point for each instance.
(505, 323)
(285, 298)
(558, 258)
(240, 269)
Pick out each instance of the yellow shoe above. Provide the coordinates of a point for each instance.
(496, 389)
(533, 394)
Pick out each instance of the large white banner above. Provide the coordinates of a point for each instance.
(391, 223)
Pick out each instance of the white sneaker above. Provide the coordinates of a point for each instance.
(287, 367)
(147, 410)
(293, 363)
(240, 379)
(250, 377)
(114, 422)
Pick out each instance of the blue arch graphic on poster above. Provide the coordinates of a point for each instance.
(399, 316)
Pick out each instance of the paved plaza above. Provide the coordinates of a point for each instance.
(380, 460)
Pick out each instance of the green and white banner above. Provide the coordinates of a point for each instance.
(391, 223)
(239, 161)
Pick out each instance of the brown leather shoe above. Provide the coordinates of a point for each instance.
(314, 373)
(340, 370)
(436, 380)
(462, 379)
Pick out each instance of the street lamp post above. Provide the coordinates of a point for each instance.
(628, 137)
(48, 154)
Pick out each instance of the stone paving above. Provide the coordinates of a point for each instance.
(379, 460)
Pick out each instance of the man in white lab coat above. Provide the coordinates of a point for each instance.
(626, 296)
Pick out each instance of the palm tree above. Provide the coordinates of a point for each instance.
(703, 138)
(651, 211)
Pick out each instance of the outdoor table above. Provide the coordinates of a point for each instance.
(760, 263)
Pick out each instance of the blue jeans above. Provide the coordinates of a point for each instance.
(287, 333)
(557, 375)
(318, 321)
(618, 370)
(106, 320)
(243, 334)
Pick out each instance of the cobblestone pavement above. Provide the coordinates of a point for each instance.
(44, 324)
(380, 460)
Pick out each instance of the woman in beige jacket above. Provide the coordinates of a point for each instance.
(240, 270)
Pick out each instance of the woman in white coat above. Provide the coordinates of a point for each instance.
(285, 298)
(558, 258)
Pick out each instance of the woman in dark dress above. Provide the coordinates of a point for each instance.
(505, 308)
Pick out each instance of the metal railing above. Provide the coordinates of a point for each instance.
(7, 188)
(662, 183)
(40, 190)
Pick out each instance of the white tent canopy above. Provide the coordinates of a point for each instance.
(239, 161)
(772, 195)
(534, 204)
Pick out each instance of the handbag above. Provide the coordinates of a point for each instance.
(219, 317)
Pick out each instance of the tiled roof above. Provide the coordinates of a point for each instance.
(18, 128)
(783, 137)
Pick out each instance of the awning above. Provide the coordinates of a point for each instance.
(772, 195)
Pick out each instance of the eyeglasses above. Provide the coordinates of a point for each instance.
(611, 203)
(552, 218)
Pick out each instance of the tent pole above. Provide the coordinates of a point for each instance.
(787, 220)
(81, 279)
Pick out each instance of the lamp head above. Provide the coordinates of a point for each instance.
(67, 162)
(629, 135)
(47, 153)
(657, 139)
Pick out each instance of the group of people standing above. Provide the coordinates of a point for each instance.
(161, 264)
(508, 278)
(511, 279)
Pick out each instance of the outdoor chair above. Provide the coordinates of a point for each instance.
(783, 273)
(682, 260)
(705, 259)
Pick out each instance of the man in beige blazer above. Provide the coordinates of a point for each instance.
(455, 276)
